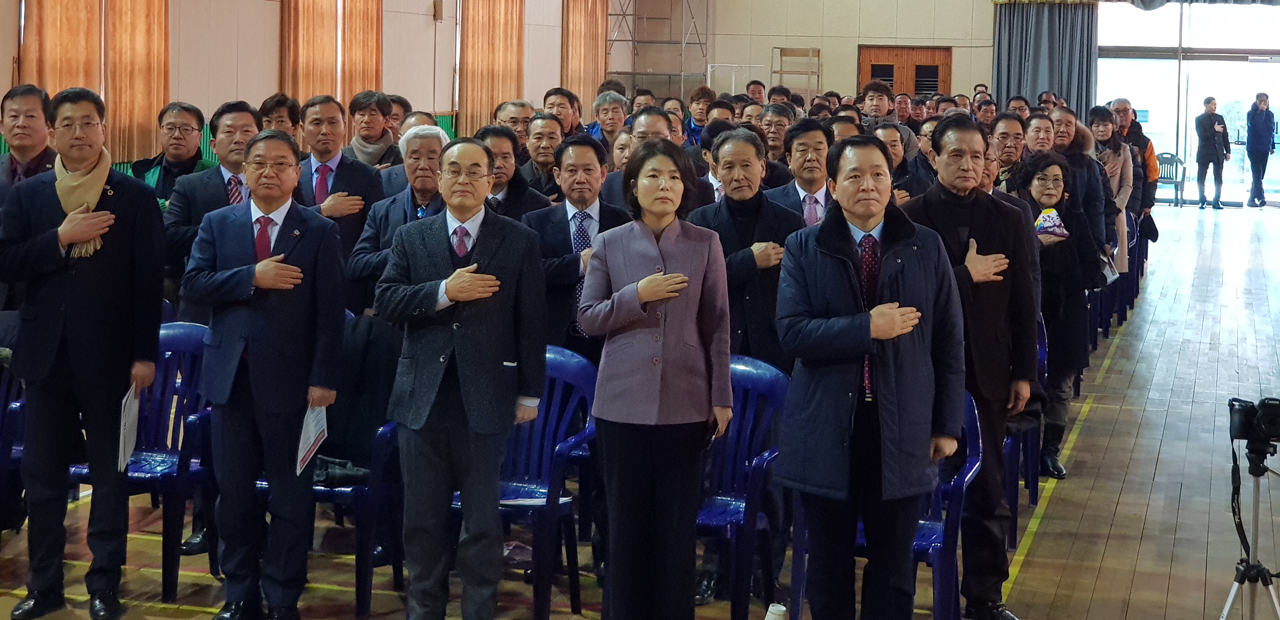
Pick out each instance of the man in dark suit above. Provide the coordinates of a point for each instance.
(1000, 337)
(468, 288)
(806, 144)
(990, 172)
(566, 233)
(196, 195)
(24, 124)
(545, 135)
(421, 199)
(341, 187)
(650, 123)
(1214, 149)
(511, 194)
(373, 143)
(181, 126)
(268, 267)
(87, 242)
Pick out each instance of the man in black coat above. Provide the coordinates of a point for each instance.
(1214, 149)
(421, 199)
(1000, 337)
(196, 195)
(651, 123)
(341, 188)
(181, 128)
(806, 144)
(25, 125)
(94, 267)
(868, 306)
(512, 197)
(545, 135)
(467, 285)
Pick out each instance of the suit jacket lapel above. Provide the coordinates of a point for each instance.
(291, 230)
(213, 178)
(558, 237)
(306, 186)
(241, 246)
(488, 241)
(342, 176)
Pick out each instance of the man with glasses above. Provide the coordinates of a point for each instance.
(1019, 105)
(469, 288)
(994, 280)
(775, 119)
(181, 125)
(1147, 167)
(340, 187)
(420, 199)
(516, 115)
(90, 334)
(1009, 136)
(268, 267)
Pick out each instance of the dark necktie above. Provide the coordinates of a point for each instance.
(262, 240)
(233, 190)
(460, 236)
(322, 183)
(581, 242)
(870, 279)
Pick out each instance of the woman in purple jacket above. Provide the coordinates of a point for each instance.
(656, 289)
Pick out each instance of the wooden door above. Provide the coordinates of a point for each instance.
(912, 70)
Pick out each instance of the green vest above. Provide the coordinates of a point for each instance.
(152, 177)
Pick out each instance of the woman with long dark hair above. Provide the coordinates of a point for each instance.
(656, 289)
(1069, 267)
(1116, 158)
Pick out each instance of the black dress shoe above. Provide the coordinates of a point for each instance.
(105, 606)
(1050, 466)
(240, 610)
(196, 544)
(706, 591)
(38, 604)
(291, 613)
(989, 611)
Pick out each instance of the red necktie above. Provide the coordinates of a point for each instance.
(322, 183)
(262, 240)
(233, 190)
(870, 281)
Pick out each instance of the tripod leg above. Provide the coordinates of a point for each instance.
(1231, 599)
(1274, 601)
(1252, 603)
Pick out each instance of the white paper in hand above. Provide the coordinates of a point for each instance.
(315, 429)
(128, 428)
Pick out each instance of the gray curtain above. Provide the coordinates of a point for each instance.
(1041, 47)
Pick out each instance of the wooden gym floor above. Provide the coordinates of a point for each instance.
(1140, 529)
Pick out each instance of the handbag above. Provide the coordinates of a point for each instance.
(1147, 229)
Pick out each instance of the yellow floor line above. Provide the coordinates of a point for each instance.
(1033, 525)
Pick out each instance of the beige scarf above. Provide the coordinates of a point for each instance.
(370, 153)
(81, 190)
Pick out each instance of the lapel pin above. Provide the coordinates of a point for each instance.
(109, 192)
(296, 233)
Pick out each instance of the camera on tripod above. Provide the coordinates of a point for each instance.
(1256, 423)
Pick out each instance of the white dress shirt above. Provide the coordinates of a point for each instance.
(821, 195)
(858, 234)
(333, 169)
(276, 216)
(715, 183)
(226, 178)
(502, 195)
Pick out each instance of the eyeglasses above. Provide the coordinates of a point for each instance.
(185, 130)
(1048, 182)
(84, 127)
(472, 175)
(517, 123)
(278, 167)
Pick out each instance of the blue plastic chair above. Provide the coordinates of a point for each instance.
(736, 483)
(1022, 446)
(937, 538)
(533, 473)
(161, 459)
(166, 311)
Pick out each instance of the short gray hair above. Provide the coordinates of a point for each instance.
(608, 98)
(1119, 100)
(422, 132)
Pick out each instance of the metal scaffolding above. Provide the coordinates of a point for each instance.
(660, 45)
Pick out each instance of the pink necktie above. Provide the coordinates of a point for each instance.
(322, 183)
(870, 272)
(719, 192)
(233, 190)
(811, 213)
(460, 236)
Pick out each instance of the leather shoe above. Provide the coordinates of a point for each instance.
(707, 586)
(105, 606)
(989, 611)
(1050, 466)
(196, 544)
(38, 604)
(291, 613)
(240, 610)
